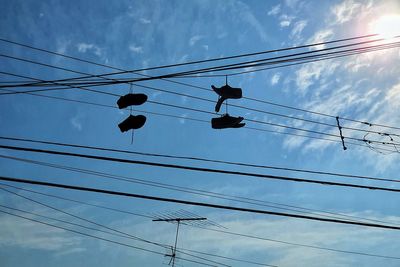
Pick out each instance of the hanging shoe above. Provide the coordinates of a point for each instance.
(132, 123)
(131, 100)
(227, 121)
(226, 92)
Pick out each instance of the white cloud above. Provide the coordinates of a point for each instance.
(183, 120)
(194, 39)
(144, 21)
(298, 28)
(274, 10)
(76, 122)
(275, 79)
(345, 11)
(312, 72)
(285, 20)
(320, 37)
(136, 49)
(31, 235)
(84, 47)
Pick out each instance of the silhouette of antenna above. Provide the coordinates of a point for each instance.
(181, 217)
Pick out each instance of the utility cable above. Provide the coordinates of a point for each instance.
(99, 238)
(193, 203)
(208, 229)
(199, 192)
(119, 233)
(200, 159)
(200, 169)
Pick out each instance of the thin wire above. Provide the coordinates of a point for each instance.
(266, 102)
(246, 64)
(133, 152)
(200, 120)
(208, 229)
(100, 238)
(121, 71)
(119, 233)
(194, 203)
(208, 100)
(202, 111)
(201, 169)
(197, 191)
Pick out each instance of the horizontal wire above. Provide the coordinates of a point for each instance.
(119, 233)
(193, 203)
(255, 121)
(100, 238)
(198, 191)
(133, 152)
(278, 50)
(121, 71)
(208, 100)
(200, 169)
(207, 229)
(231, 66)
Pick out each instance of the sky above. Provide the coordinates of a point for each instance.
(140, 34)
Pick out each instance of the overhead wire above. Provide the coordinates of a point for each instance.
(216, 59)
(200, 192)
(350, 128)
(200, 169)
(207, 100)
(207, 229)
(200, 159)
(119, 233)
(100, 238)
(251, 120)
(235, 65)
(194, 203)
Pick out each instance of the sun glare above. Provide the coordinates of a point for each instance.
(387, 26)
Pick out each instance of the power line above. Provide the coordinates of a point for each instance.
(193, 203)
(196, 159)
(198, 120)
(121, 71)
(163, 90)
(198, 191)
(119, 233)
(208, 229)
(207, 112)
(251, 54)
(200, 169)
(97, 237)
(238, 106)
(253, 63)
(255, 121)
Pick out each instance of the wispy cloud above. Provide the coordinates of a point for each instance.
(285, 20)
(345, 11)
(274, 10)
(144, 21)
(298, 28)
(85, 47)
(275, 78)
(136, 49)
(194, 39)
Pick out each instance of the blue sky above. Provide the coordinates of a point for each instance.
(139, 34)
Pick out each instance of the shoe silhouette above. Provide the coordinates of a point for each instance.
(227, 121)
(132, 122)
(131, 99)
(226, 92)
